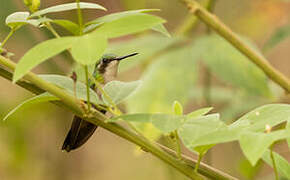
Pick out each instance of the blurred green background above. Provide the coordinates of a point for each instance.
(30, 141)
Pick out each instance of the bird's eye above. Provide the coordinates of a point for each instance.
(105, 60)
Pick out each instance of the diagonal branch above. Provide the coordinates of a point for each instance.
(224, 31)
(37, 85)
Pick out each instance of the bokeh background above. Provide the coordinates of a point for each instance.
(30, 141)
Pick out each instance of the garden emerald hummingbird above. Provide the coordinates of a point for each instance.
(81, 130)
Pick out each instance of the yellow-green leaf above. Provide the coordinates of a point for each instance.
(40, 53)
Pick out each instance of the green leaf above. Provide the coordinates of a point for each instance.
(68, 84)
(254, 121)
(147, 46)
(68, 25)
(218, 136)
(271, 114)
(129, 25)
(164, 122)
(203, 149)
(89, 48)
(119, 15)
(45, 97)
(254, 145)
(231, 66)
(116, 16)
(177, 108)
(195, 128)
(282, 164)
(40, 53)
(119, 91)
(199, 112)
(18, 19)
(278, 36)
(169, 123)
(67, 7)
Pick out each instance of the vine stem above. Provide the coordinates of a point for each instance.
(7, 38)
(51, 29)
(178, 145)
(200, 156)
(80, 16)
(190, 21)
(274, 163)
(88, 87)
(224, 31)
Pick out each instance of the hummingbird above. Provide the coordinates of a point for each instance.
(106, 70)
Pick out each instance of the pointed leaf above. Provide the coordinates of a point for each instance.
(254, 145)
(68, 84)
(119, 91)
(115, 16)
(67, 7)
(271, 114)
(40, 53)
(45, 97)
(18, 19)
(119, 15)
(129, 25)
(195, 128)
(89, 48)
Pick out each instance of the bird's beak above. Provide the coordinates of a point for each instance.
(124, 57)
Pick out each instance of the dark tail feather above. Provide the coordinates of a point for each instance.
(79, 133)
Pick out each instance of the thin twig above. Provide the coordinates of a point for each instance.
(224, 31)
(88, 87)
(7, 38)
(198, 162)
(274, 163)
(178, 145)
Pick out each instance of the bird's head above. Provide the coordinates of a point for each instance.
(107, 67)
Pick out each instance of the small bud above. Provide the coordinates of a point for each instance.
(177, 108)
(74, 76)
(268, 128)
(33, 5)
